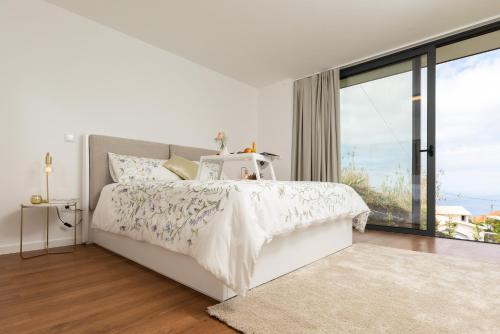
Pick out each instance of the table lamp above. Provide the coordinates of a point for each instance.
(48, 170)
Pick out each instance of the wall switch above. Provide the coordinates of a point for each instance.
(69, 137)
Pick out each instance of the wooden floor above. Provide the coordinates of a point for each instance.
(96, 291)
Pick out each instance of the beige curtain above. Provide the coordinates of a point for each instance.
(316, 134)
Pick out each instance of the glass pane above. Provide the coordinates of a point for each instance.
(468, 140)
(379, 138)
(423, 145)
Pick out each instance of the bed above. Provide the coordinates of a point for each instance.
(220, 238)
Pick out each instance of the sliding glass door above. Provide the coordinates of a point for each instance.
(420, 140)
(468, 139)
(384, 141)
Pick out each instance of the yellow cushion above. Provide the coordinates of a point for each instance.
(186, 169)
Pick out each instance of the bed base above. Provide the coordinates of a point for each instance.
(282, 255)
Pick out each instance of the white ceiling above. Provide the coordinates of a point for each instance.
(263, 41)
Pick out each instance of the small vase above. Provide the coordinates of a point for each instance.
(224, 151)
(36, 199)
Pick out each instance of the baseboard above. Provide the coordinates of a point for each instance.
(36, 245)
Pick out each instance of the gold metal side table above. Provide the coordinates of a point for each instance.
(47, 207)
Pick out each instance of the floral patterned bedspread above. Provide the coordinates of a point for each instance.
(222, 224)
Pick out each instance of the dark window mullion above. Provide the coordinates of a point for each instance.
(431, 141)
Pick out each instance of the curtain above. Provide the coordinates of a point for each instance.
(316, 123)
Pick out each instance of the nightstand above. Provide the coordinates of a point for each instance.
(47, 206)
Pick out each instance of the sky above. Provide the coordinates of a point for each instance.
(467, 129)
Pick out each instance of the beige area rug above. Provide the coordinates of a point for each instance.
(373, 289)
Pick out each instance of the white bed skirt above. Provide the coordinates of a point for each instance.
(284, 254)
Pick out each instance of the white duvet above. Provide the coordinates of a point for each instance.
(222, 224)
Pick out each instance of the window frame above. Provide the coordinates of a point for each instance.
(428, 48)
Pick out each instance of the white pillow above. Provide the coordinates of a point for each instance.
(126, 168)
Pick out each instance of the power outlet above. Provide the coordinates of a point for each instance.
(69, 138)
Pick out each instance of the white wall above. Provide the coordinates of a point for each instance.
(61, 73)
(275, 124)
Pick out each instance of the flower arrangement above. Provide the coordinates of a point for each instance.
(221, 140)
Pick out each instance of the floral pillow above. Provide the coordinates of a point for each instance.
(126, 168)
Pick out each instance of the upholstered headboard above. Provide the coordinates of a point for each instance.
(99, 146)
